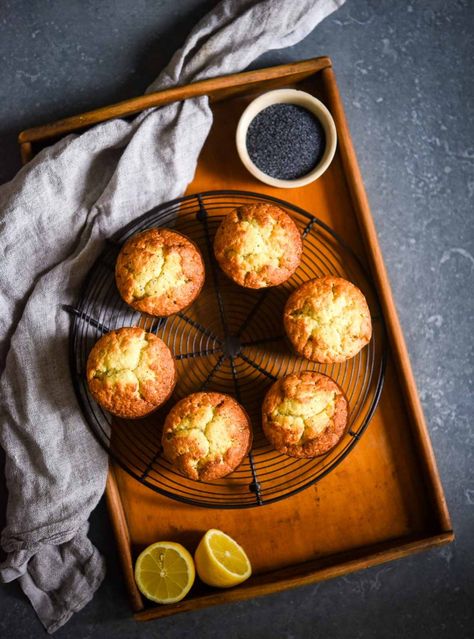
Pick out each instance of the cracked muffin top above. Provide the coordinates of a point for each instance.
(327, 320)
(206, 435)
(130, 372)
(304, 414)
(258, 245)
(159, 272)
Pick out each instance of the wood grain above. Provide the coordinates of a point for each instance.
(121, 532)
(385, 500)
(216, 88)
(379, 272)
(378, 493)
(310, 573)
(26, 152)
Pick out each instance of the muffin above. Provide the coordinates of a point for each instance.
(159, 272)
(258, 245)
(206, 435)
(327, 320)
(130, 372)
(304, 414)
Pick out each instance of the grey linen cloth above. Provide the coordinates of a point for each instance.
(54, 216)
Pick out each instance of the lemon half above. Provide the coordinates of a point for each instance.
(220, 561)
(164, 572)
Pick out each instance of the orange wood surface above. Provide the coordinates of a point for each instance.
(385, 499)
(376, 494)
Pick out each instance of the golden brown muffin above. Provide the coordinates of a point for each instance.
(206, 435)
(327, 320)
(304, 414)
(159, 272)
(130, 372)
(258, 245)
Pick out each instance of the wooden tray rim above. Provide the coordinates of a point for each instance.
(217, 89)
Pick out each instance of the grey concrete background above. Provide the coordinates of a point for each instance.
(405, 73)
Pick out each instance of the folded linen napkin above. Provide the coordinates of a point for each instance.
(54, 216)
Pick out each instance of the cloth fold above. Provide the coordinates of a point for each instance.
(54, 216)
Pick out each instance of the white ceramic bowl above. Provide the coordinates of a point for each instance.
(287, 96)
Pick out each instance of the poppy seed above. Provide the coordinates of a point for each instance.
(285, 141)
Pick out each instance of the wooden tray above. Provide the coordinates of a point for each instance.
(385, 500)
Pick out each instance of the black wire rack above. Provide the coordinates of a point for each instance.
(231, 341)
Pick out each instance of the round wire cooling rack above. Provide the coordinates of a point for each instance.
(231, 341)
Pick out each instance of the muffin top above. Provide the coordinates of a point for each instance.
(130, 372)
(258, 245)
(206, 435)
(327, 320)
(159, 272)
(304, 414)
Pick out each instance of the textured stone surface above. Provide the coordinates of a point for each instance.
(405, 72)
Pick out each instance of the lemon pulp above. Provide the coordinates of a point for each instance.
(220, 561)
(164, 572)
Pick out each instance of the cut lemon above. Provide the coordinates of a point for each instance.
(164, 572)
(220, 561)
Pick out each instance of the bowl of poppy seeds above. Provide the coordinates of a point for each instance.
(286, 138)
